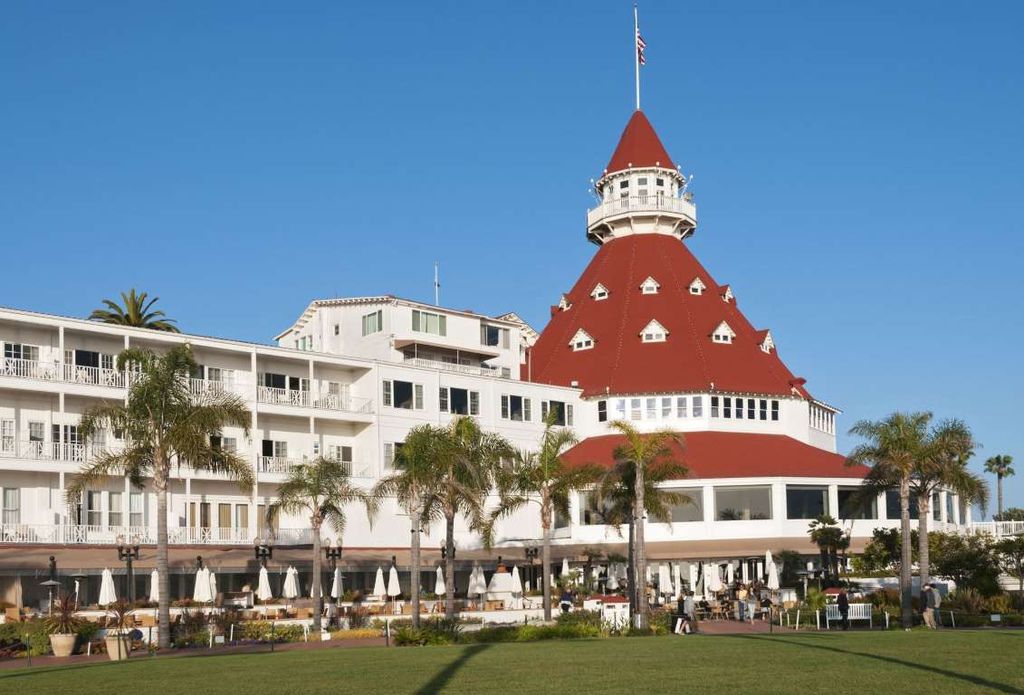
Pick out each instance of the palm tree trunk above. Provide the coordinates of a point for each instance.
(999, 493)
(163, 579)
(318, 599)
(414, 570)
(631, 568)
(640, 552)
(906, 556)
(924, 504)
(545, 560)
(449, 565)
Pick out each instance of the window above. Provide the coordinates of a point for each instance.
(698, 406)
(892, 505)
(402, 394)
(459, 401)
(764, 409)
(337, 329)
(697, 286)
(35, 431)
(651, 408)
(681, 406)
(373, 322)
(950, 504)
(775, 411)
(135, 513)
(723, 334)
(654, 332)
(805, 502)
(94, 509)
(228, 445)
(12, 505)
(564, 303)
(593, 512)
(666, 407)
(751, 408)
(19, 351)
(727, 295)
(727, 407)
(649, 286)
(849, 508)
(743, 503)
(242, 516)
(7, 436)
(692, 509)
(275, 449)
(599, 292)
(342, 454)
(936, 507)
(767, 345)
(115, 516)
(391, 451)
(561, 413)
(284, 382)
(635, 412)
(602, 411)
(581, 341)
(515, 408)
(739, 408)
(426, 322)
(714, 406)
(494, 336)
(219, 375)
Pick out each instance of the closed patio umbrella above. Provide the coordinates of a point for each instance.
(773, 577)
(263, 592)
(379, 590)
(154, 586)
(677, 570)
(107, 593)
(745, 571)
(729, 574)
(439, 587)
(337, 588)
(213, 586)
(693, 577)
(394, 587)
(664, 580)
(613, 578)
(565, 567)
(767, 559)
(291, 584)
(517, 588)
(715, 583)
(201, 589)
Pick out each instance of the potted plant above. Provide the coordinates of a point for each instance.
(118, 637)
(62, 625)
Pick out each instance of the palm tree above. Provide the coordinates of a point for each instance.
(893, 449)
(413, 487)
(542, 477)
(1000, 466)
(944, 466)
(469, 459)
(322, 489)
(643, 451)
(825, 533)
(162, 424)
(135, 310)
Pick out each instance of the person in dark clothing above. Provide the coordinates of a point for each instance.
(566, 601)
(844, 608)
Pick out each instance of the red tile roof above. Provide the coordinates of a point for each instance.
(732, 455)
(639, 146)
(620, 363)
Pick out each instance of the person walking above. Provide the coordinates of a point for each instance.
(926, 606)
(843, 601)
(934, 602)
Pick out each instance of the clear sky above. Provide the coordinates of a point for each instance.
(857, 169)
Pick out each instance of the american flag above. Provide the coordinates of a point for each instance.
(640, 46)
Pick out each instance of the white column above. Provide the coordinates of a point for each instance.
(708, 497)
(942, 506)
(126, 508)
(833, 500)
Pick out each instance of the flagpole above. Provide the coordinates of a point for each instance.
(636, 54)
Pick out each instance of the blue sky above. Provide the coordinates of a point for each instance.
(857, 169)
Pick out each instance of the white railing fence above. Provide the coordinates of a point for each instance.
(81, 534)
(642, 203)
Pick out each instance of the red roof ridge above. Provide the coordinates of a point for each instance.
(639, 146)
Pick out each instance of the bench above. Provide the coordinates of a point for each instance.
(858, 611)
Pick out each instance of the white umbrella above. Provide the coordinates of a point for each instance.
(664, 580)
(613, 578)
(693, 577)
(677, 570)
(565, 567)
(107, 593)
(337, 585)
(517, 587)
(154, 586)
(439, 587)
(378, 584)
(773, 577)
(291, 584)
(745, 571)
(767, 559)
(213, 586)
(714, 578)
(476, 584)
(263, 592)
(729, 574)
(705, 580)
(759, 573)
(201, 590)
(394, 588)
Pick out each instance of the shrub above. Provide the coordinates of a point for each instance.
(999, 604)
(265, 631)
(591, 618)
(359, 633)
(883, 598)
(815, 599)
(966, 601)
(358, 618)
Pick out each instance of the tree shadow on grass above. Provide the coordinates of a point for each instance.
(976, 680)
(437, 683)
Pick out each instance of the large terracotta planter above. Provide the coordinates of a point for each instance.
(63, 644)
(118, 646)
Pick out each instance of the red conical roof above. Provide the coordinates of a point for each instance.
(621, 363)
(639, 146)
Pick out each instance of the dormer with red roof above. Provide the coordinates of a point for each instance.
(641, 190)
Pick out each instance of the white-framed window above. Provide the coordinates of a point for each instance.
(602, 411)
(427, 322)
(636, 411)
(515, 408)
(653, 332)
(680, 406)
(739, 408)
(697, 286)
(727, 295)
(94, 508)
(494, 336)
(775, 411)
(599, 292)
(767, 344)
(373, 322)
(581, 341)
(7, 436)
(20, 351)
(562, 412)
(763, 409)
(402, 394)
(564, 303)
(115, 510)
(723, 334)
(649, 286)
(36, 431)
(666, 407)
(341, 453)
(620, 408)
(135, 510)
(714, 406)
(458, 401)
(11, 506)
(698, 406)
(651, 409)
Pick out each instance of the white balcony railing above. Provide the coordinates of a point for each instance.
(276, 396)
(474, 370)
(997, 528)
(67, 373)
(96, 376)
(278, 464)
(31, 450)
(642, 203)
(200, 387)
(309, 399)
(80, 534)
(31, 369)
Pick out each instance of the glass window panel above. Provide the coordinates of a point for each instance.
(805, 502)
(692, 509)
(742, 503)
(849, 509)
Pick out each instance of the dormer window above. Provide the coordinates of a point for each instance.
(581, 341)
(649, 286)
(654, 332)
(727, 295)
(723, 334)
(599, 292)
(697, 286)
(564, 303)
(767, 344)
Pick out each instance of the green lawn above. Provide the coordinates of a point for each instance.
(859, 662)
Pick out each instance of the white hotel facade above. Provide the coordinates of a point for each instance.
(645, 334)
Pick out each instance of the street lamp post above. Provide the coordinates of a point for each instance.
(531, 556)
(128, 553)
(262, 551)
(333, 554)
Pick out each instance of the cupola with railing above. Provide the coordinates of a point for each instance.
(641, 190)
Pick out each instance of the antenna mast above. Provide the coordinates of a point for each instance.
(437, 284)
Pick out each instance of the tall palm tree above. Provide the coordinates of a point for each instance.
(893, 449)
(135, 310)
(999, 466)
(944, 466)
(413, 487)
(162, 424)
(322, 489)
(542, 477)
(465, 476)
(826, 533)
(643, 450)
